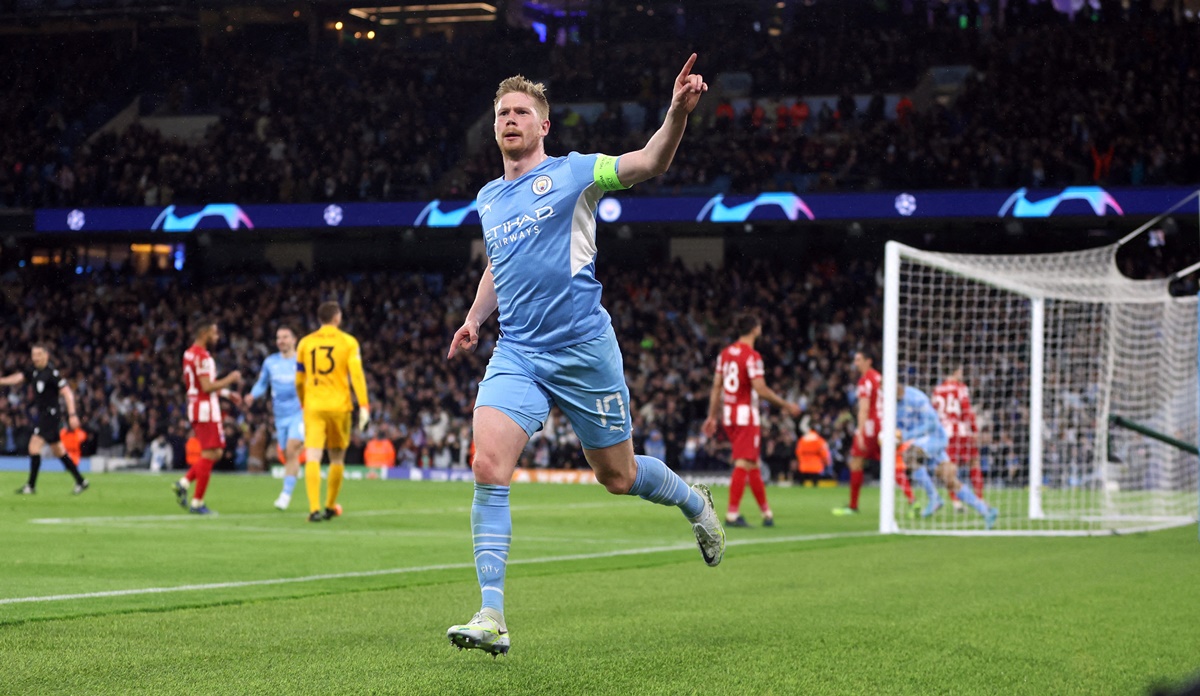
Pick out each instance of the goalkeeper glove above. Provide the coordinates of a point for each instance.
(364, 418)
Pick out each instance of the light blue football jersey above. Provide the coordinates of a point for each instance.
(918, 421)
(279, 374)
(540, 232)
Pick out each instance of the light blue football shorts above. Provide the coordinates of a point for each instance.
(934, 448)
(289, 429)
(586, 381)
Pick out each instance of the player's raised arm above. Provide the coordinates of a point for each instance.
(467, 336)
(13, 380)
(655, 158)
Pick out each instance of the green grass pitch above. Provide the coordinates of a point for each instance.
(605, 595)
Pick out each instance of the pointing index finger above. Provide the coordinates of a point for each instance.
(687, 67)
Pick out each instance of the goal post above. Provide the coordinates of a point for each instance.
(1050, 347)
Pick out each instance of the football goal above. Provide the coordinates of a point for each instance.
(1082, 386)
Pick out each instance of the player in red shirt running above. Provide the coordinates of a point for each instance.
(204, 412)
(867, 430)
(737, 384)
(952, 399)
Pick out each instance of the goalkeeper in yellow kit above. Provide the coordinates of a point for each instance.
(328, 364)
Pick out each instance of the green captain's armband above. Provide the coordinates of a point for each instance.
(605, 174)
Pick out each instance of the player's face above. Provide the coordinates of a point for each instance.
(212, 336)
(861, 363)
(40, 357)
(285, 341)
(518, 128)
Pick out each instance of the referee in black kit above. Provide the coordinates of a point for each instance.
(47, 386)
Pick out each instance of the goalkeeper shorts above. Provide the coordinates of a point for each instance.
(327, 429)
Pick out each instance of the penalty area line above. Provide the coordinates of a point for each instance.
(415, 569)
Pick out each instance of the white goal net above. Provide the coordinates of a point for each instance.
(1051, 348)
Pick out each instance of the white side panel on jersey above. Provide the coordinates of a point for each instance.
(583, 229)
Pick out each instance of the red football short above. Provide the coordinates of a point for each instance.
(745, 440)
(210, 435)
(962, 450)
(868, 448)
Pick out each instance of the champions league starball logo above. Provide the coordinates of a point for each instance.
(76, 220)
(609, 209)
(333, 215)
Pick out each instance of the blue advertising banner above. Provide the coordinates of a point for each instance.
(1085, 201)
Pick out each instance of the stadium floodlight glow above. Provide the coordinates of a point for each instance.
(450, 20)
(364, 12)
(338, 26)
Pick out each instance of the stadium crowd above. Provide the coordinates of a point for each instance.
(1047, 105)
(119, 340)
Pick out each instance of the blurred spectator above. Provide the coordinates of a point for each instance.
(379, 452)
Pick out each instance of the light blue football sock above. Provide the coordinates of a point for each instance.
(968, 497)
(925, 481)
(658, 484)
(289, 484)
(491, 531)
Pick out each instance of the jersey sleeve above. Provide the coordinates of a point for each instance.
(754, 366)
(264, 380)
(357, 379)
(968, 413)
(597, 169)
(58, 379)
(300, 373)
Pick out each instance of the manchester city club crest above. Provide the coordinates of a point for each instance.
(542, 184)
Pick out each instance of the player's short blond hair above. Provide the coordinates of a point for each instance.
(522, 84)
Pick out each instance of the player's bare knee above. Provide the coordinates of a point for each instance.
(616, 482)
(489, 469)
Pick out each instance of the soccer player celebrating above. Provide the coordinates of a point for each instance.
(922, 442)
(557, 345)
(48, 385)
(279, 375)
(328, 365)
(952, 399)
(737, 384)
(204, 392)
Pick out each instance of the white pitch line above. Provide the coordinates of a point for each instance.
(278, 514)
(307, 531)
(415, 569)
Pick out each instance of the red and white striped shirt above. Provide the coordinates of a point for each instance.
(203, 407)
(870, 388)
(952, 399)
(737, 366)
